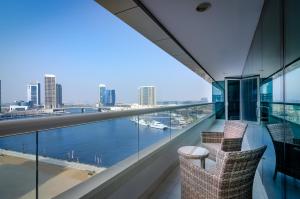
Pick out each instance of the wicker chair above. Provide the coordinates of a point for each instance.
(287, 150)
(231, 178)
(229, 140)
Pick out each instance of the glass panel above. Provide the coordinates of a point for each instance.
(292, 131)
(154, 131)
(272, 113)
(264, 59)
(69, 156)
(233, 99)
(18, 166)
(182, 119)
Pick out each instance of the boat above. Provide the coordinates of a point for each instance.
(140, 122)
(158, 125)
(152, 124)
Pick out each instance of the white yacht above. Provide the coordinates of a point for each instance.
(140, 121)
(158, 125)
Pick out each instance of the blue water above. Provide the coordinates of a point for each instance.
(102, 144)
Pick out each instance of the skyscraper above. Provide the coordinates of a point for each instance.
(147, 95)
(50, 91)
(102, 89)
(59, 102)
(34, 93)
(110, 97)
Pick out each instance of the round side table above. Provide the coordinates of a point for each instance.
(194, 152)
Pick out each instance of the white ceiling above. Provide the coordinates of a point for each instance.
(218, 39)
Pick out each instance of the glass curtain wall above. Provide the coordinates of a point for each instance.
(274, 55)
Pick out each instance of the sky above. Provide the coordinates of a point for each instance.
(84, 45)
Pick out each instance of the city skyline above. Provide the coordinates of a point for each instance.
(34, 93)
(71, 42)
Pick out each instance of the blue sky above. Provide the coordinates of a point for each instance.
(84, 45)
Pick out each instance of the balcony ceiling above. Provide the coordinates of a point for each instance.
(213, 44)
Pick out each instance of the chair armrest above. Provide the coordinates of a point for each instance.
(196, 181)
(212, 137)
(231, 144)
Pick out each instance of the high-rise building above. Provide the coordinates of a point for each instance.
(107, 97)
(50, 91)
(59, 102)
(34, 93)
(147, 95)
(102, 89)
(110, 97)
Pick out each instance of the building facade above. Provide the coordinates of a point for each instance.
(59, 102)
(147, 95)
(110, 97)
(34, 93)
(50, 91)
(102, 89)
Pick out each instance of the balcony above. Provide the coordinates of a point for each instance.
(250, 53)
(36, 170)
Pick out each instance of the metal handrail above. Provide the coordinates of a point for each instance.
(14, 127)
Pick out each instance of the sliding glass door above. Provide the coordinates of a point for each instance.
(232, 107)
(242, 99)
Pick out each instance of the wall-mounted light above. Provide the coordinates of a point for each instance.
(203, 6)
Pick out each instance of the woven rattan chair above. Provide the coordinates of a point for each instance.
(232, 177)
(229, 140)
(287, 150)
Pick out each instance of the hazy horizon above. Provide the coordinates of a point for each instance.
(85, 45)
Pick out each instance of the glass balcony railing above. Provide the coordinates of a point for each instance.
(46, 156)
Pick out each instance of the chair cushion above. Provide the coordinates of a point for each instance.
(234, 129)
